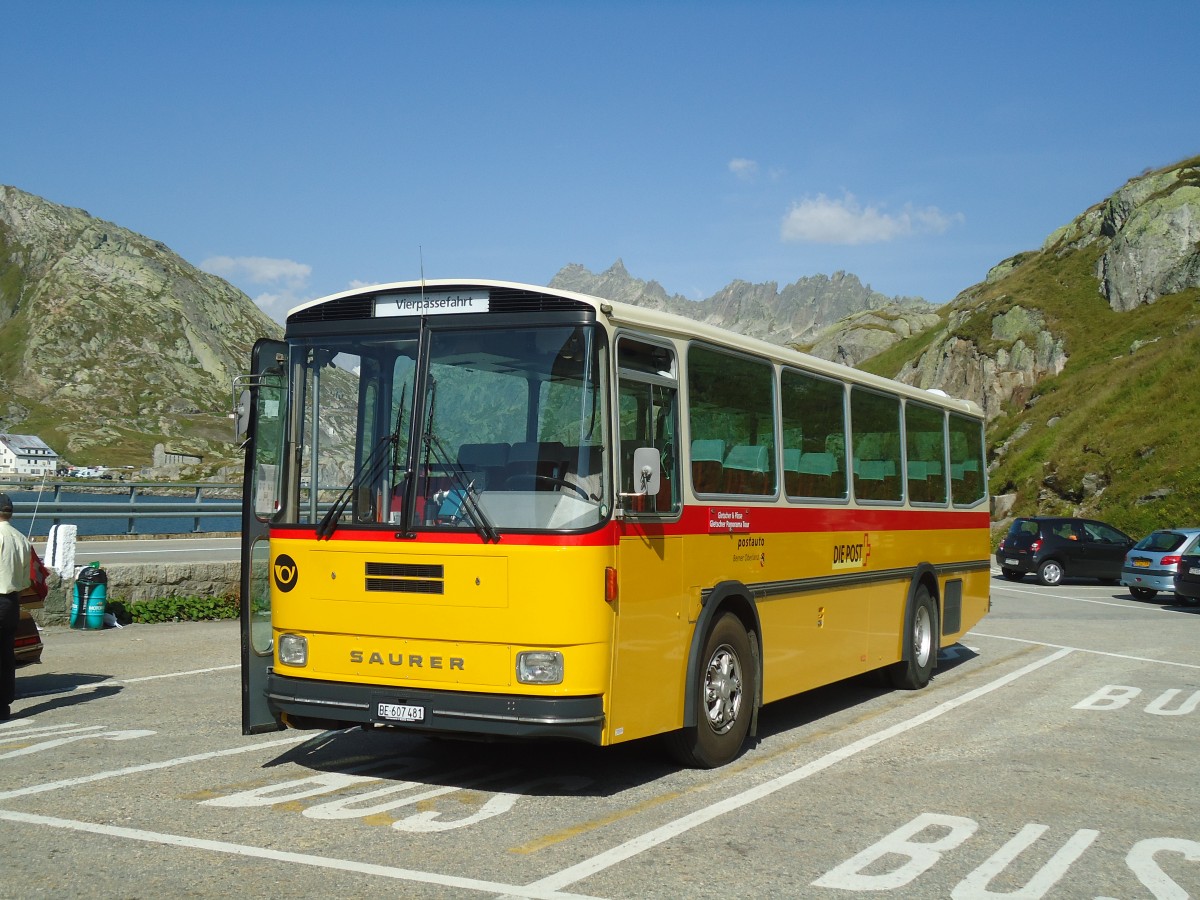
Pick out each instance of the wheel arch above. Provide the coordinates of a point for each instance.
(727, 596)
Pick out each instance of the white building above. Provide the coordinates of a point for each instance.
(25, 454)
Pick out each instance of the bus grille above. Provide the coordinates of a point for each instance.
(405, 578)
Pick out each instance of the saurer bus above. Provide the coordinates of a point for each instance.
(488, 509)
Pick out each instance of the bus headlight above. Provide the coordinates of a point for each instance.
(293, 650)
(540, 667)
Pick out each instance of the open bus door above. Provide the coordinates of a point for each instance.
(261, 410)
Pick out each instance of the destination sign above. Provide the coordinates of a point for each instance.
(431, 303)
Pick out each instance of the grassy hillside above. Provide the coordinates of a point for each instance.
(1111, 436)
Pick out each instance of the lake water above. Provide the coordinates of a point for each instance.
(28, 509)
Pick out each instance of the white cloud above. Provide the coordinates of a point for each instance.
(821, 220)
(743, 169)
(259, 270)
(284, 278)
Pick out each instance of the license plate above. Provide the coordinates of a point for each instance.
(401, 712)
(1012, 562)
(1141, 563)
(1194, 571)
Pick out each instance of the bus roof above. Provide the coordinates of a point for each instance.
(668, 324)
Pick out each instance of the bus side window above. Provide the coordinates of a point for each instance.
(968, 485)
(731, 409)
(924, 429)
(814, 436)
(875, 442)
(649, 417)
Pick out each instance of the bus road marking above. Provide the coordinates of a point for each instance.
(664, 833)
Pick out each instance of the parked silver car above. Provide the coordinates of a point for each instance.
(1151, 565)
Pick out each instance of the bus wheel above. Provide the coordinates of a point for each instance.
(727, 686)
(914, 673)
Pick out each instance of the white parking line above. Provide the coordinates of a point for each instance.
(108, 682)
(149, 767)
(1161, 662)
(664, 833)
(283, 856)
(549, 887)
(1051, 596)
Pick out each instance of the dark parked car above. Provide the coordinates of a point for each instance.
(1187, 577)
(1058, 547)
(1151, 565)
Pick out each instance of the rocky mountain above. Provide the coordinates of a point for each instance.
(1082, 353)
(797, 314)
(111, 343)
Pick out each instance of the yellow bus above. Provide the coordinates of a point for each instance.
(499, 510)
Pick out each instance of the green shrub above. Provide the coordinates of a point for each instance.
(174, 609)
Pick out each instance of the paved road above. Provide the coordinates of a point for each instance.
(1054, 755)
(173, 549)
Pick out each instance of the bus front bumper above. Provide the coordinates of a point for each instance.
(308, 703)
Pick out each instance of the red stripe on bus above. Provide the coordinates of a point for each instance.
(695, 520)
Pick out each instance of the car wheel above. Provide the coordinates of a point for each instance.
(1012, 574)
(1142, 593)
(1050, 572)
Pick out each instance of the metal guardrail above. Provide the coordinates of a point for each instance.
(131, 502)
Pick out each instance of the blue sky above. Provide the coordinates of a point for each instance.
(301, 148)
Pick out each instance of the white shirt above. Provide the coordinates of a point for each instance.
(14, 559)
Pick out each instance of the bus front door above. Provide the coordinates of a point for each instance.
(263, 406)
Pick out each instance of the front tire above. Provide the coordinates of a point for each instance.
(1050, 573)
(913, 673)
(727, 689)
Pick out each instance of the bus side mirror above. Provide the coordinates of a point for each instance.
(647, 471)
(241, 416)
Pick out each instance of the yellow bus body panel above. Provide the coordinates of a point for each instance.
(494, 601)
(833, 606)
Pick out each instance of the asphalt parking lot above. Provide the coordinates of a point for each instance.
(1053, 755)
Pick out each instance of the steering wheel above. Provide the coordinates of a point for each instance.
(515, 480)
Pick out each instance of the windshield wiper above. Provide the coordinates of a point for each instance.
(469, 496)
(372, 468)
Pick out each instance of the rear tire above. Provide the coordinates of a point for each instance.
(913, 673)
(727, 689)
(1050, 573)
(1012, 574)
(1142, 593)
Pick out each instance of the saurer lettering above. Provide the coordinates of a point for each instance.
(412, 661)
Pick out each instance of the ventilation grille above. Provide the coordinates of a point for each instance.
(503, 300)
(405, 578)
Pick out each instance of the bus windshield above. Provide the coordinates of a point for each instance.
(487, 429)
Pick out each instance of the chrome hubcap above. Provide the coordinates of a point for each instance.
(723, 689)
(922, 637)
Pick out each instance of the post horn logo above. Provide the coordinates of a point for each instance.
(285, 572)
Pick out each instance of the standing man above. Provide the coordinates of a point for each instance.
(14, 578)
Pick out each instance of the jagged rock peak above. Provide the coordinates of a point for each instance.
(789, 316)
